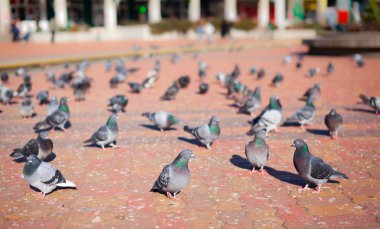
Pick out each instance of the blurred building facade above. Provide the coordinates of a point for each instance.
(113, 13)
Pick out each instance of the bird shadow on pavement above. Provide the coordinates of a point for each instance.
(154, 127)
(359, 110)
(191, 141)
(285, 176)
(318, 132)
(240, 162)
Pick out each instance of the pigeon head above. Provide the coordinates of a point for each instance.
(317, 85)
(63, 105)
(26, 102)
(54, 99)
(43, 135)
(333, 112)
(32, 163)
(183, 158)
(257, 92)
(112, 121)
(214, 121)
(300, 145)
(274, 103)
(261, 134)
(9, 93)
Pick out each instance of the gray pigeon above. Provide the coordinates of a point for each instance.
(359, 60)
(207, 133)
(6, 94)
(106, 134)
(334, 122)
(118, 103)
(174, 176)
(253, 103)
(257, 151)
(52, 106)
(161, 119)
(43, 176)
(312, 72)
(42, 146)
(57, 119)
(203, 88)
(171, 92)
(312, 93)
(371, 101)
(269, 118)
(26, 108)
(135, 87)
(311, 168)
(303, 115)
(330, 68)
(42, 97)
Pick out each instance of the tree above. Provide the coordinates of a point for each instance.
(371, 15)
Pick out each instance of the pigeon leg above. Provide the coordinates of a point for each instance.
(102, 147)
(114, 146)
(169, 195)
(208, 146)
(253, 170)
(304, 188)
(262, 170)
(318, 189)
(43, 195)
(162, 130)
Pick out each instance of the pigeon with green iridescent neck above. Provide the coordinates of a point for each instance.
(269, 118)
(311, 168)
(312, 93)
(257, 151)
(371, 101)
(334, 122)
(57, 119)
(175, 176)
(207, 133)
(161, 119)
(42, 97)
(41, 146)
(203, 88)
(26, 108)
(184, 81)
(261, 74)
(277, 80)
(304, 115)
(253, 103)
(53, 105)
(43, 176)
(330, 68)
(106, 134)
(6, 94)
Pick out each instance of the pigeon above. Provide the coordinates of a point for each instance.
(66, 77)
(106, 134)
(135, 87)
(80, 85)
(50, 76)
(269, 118)
(26, 108)
(42, 147)
(261, 74)
(235, 72)
(203, 88)
(57, 119)
(157, 66)
(359, 60)
(299, 65)
(373, 102)
(20, 71)
(171, 92)
(114, 82)
(253, 70)
(253, 103)
(221, 77)
(53, 105)
(184, 81)
(312, 72)
(6, 95)
(311, 168)
(42, 97)
(202, 74)
(161, 119)
(330, 68)
(43, 176)
(312, 93)
(4, 77)
(118, 103)
(257, 151)
(277, 80)
(303, 115)
(25, 87)
(175, 58)
(334, 122)
(207, 133)
(150, 79)
(174, 176)
(287, 59)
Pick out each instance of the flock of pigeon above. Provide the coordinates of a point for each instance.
(175, 176)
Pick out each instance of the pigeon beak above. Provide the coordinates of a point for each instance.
(292, 145)
(193, 156)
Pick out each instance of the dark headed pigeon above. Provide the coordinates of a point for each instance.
(203, 88)
(171, 92)
(43, 97)
(42, 147)
(118, 103)
(184, 81)
(257, 151)
(334, 122)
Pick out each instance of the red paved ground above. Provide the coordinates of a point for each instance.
(113, 185)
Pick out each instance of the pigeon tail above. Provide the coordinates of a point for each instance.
(155, 187)
(88, 140)
(67, 184)
(188, 129)
(365, 99)
(337, 174)
(145, 114)
(16, 154)
(40, 126)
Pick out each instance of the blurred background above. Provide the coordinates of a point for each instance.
(96, 20)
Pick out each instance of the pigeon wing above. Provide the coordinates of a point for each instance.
(319, 169)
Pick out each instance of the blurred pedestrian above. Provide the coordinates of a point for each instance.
(53, 29)
(209, 30)
(225, 29)
(15, 31)
(199, 30)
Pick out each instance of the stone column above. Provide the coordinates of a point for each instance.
(321, 11)
(263, 14)
(230, 10)
(110, 14)
(280, 14)
(60, 9)
(154, 11)
(42, 9)
(194, 11)
(5, 17)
